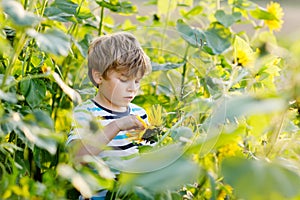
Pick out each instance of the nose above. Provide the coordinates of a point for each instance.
(132, 86)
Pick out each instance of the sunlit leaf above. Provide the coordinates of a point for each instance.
(52, 41)
(196, 10)
(17, 13)
(262, 14)
(253, 179)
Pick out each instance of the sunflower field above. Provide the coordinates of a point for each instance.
(223, 99)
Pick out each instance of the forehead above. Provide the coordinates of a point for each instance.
(126, 73)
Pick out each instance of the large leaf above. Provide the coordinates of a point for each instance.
(227, 19)
(230, 109)
(218, 38)
(157, 171)
(214, 40)
(193, 36)
(52, 41)
(17, 13)
(253, 179)
(34, 91)
(61, 10)
(34, 135)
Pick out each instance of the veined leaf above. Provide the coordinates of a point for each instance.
(193, 36)
(61, 10)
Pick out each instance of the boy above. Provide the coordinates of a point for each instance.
(116, 65)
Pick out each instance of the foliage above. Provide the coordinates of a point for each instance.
(227, 114)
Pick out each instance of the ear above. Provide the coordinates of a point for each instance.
(97, 76)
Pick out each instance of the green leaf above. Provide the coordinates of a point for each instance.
(52, 41)
(8, 96)
(193, 36)
(83, 45)
(143, 193)
(193, 12)
(165, 66)
(17, 13)
(158, 170)
(262, 14)
(181, 132)
(218, 38)
(227, 19)
(233, 108)
(34, 91)
(61, 10)
(124, 7)
(253, 179)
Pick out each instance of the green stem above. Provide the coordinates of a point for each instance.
(101, 21)
(25, 4)
(13, 58)
(184, 72)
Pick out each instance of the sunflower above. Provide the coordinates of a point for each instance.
(275, 9)
(243, 53)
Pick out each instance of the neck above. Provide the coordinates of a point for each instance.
(103, 101)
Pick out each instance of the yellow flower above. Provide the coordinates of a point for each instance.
(243, 58)
(228, 150)
(155, 116)
(243, 53)
(275, 9)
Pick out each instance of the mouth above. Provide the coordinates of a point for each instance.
(129, 98)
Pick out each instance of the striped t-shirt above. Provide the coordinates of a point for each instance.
(90, 112)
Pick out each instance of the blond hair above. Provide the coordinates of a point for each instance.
(119, 51)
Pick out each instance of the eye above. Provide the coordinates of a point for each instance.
(137, 81)
(123, 79)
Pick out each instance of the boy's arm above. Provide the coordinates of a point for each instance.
(93, 144)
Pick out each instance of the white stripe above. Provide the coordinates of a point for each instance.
(119, 153)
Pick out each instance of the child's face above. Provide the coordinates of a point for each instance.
(118, 90)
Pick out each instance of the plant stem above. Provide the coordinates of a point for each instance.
(184, 72)
(101, 21)
(13, 58)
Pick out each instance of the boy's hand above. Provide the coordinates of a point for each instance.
(130, 122)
